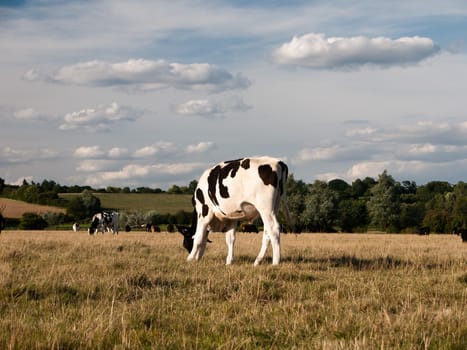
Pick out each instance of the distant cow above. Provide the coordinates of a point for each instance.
(461, 232)
(231, 191)
(249, 228)
(104, 222)
(76, 227)
(424, 231)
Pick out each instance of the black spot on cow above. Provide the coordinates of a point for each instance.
(200, 198)
(212, 183)
(217, 176)
(268, 176)
(246, 164)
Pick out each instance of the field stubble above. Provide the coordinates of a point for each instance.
(135, 290)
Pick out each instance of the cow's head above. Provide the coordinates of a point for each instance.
(188, 232)
(93, 228)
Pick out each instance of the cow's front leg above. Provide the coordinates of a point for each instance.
(199, 242)
(230, 240)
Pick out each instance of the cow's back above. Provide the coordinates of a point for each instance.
(236, 187)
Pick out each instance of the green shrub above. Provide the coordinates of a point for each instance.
(32, 221)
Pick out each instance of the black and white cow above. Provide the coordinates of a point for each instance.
(231, 191)
(104, 222)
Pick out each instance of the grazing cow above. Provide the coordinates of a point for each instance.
(424, 231)
(249, 228)
(461, 232)
(104, 222)
(231, 191)
(76, 227)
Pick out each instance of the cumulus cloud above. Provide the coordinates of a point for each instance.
(133, 173)
(161, 147)
(92, 165)
(422, 149)
(146, 151)
(12, 155)
(395, 167)
(99, 118)
(200, 147)
(206, 108)
(350, 151)
(198, 107)
(30, 114)
(145, 75)
(118, 152)
(315, 50)
(89, 152)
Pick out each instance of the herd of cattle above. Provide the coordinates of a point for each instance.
(238, 190)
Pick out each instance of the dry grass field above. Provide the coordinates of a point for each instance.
(66, 290)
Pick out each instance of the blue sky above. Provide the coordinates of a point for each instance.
(150, 93)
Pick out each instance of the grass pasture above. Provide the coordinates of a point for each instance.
(135, 291)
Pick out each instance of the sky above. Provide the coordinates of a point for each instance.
(150, 93)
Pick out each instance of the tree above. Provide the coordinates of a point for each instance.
(384, 204)
(83, 206)
(320, 208)
(174, 190)
(296, 190)
(352, 214)
(32, 221)
(459, 206)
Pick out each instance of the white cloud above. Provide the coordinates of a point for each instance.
(30, 114)
(92, 165)
(162, 147)
(99, 118)
(147, 151)
(88, 152)
(394, 167)
(200, 147)
(133, 173)
(198, 107)
(316, 51)
(208, 109)
(118, 152)
(145, 75)
(12, 155)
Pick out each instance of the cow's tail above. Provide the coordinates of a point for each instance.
(282, 189)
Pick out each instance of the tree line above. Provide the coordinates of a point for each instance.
(382, 204)
(377, 204)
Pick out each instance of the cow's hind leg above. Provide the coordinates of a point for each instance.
(264, 248)
(272, 232)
